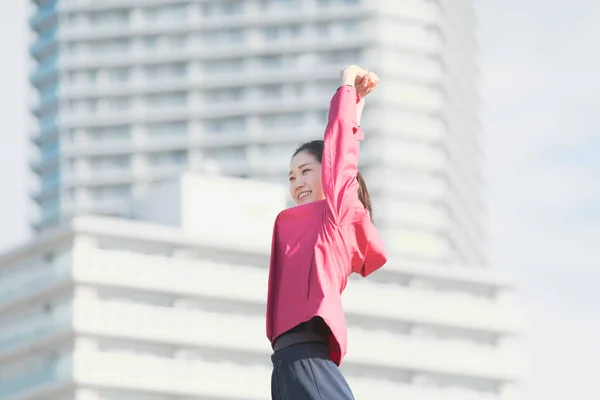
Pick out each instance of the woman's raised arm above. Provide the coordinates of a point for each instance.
(339, 166)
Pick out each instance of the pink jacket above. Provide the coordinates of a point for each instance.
(316, 246)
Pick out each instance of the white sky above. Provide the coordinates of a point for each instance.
(540, 61)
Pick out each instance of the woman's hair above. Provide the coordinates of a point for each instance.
(315, 147)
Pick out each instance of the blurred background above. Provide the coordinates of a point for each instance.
(144, 155)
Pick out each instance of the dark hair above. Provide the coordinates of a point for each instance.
(315, 147)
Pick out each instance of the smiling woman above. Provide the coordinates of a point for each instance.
(305, 176)
(316, 246)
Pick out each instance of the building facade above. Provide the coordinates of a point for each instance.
(114, 309)
(172, 307)
(133, 92)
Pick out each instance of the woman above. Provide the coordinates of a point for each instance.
(315, 247)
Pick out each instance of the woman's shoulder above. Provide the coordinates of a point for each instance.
(301, 212)
(301, 217)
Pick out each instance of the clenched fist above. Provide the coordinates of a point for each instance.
(363, 80)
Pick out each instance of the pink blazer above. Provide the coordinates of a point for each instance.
(316, 246)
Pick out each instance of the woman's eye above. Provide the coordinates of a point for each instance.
(291, 178)
(305, 171)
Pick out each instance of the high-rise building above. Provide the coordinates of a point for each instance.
(132, 92)
(172, 307)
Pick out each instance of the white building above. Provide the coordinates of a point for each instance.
(131, 92)
(102, 308)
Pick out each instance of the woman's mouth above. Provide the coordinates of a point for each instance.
(303, 195)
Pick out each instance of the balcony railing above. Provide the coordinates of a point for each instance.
(238, 333)
(387, 301)
(199, 378)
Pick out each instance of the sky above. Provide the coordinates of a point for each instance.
(13, 115)
(540, 61)
(540, 90)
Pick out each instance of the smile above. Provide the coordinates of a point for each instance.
(303, 195)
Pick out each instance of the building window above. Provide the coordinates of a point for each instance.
(110, 162)
(77, 48)
(285, 32)
(284, 120)
(48, 60)
(297, 89)
(172, 42)
(219, 67)
(164, 42)
(48, 119)
(322, 29)
(68, 166)
(167, 129)
(110, 46)
(272, 62)
(84, 105)
(166, 71)
(118, 103)
(50, 178)
(109, 18)
(279, 153)
(110, 192)
(166, 100)
(118, 74)
(110, 133)
(271, 92)
(48, 91)
(223, 37)
(178, 157)
(233, 124)
(224, 95)
(232, 7)
(50, 206)
(271, 33)
(223, 8)
(86, 76)
(49, 149)
(77, 20)
(275, 5)
(166, 14)
(351, 26)
(150, 42)
(341, 57)
(289, 61)
(230, 154)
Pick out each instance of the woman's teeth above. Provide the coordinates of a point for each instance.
(303, 195)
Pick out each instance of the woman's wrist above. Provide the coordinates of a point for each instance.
(359, 110)
(348, 75)
(348, 79)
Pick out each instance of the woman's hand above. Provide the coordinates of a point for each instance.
(363, 80)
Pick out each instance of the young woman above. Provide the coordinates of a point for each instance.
(315, 247)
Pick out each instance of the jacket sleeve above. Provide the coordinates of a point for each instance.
(368, 249)
(339, 165)
(376, 256)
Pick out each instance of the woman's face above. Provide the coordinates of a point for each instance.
(305, 179)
